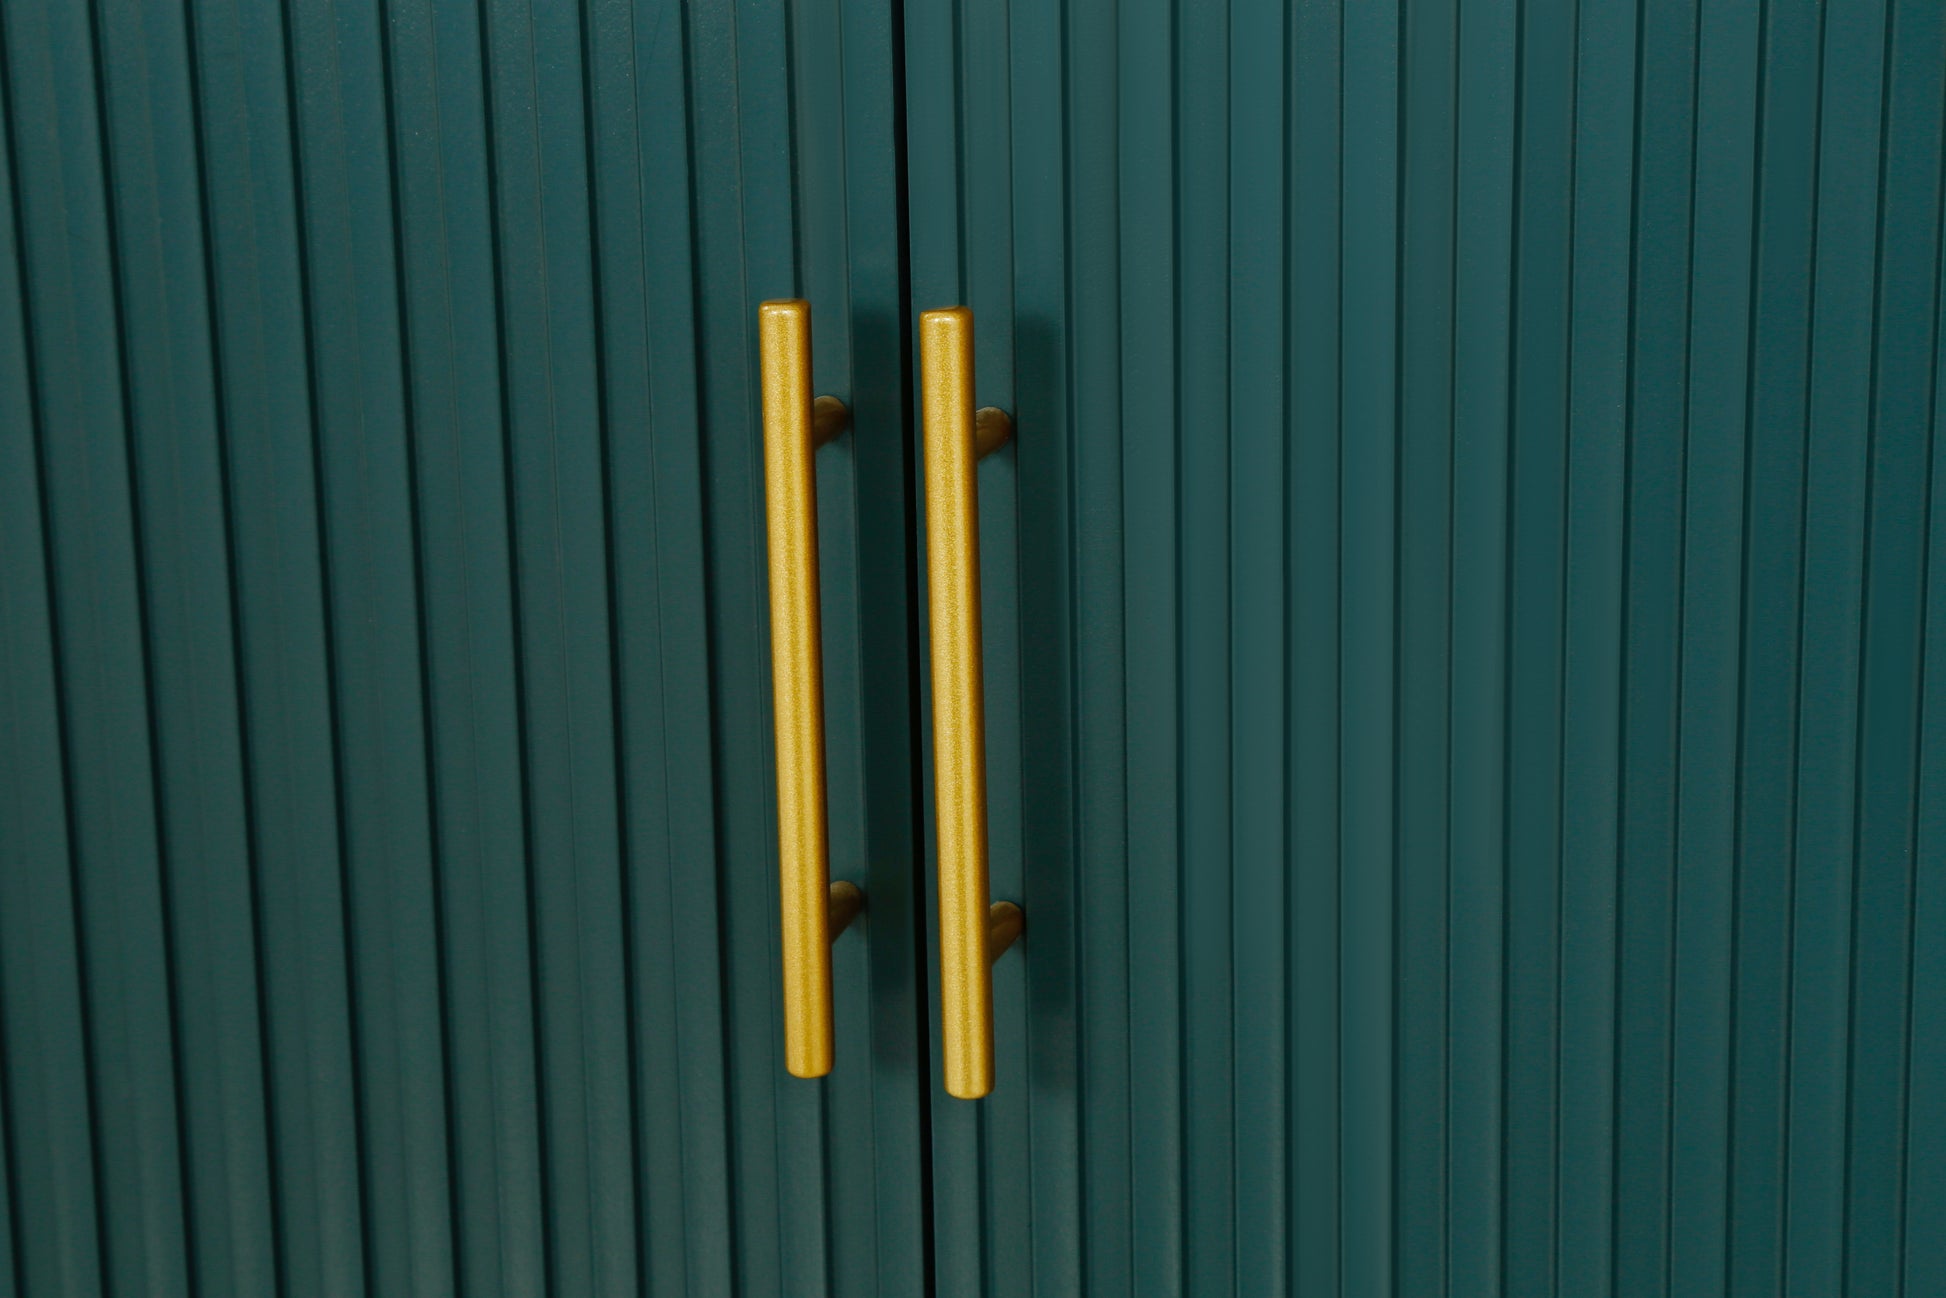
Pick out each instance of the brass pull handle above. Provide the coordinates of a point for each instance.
(972, 933)
(814, 909)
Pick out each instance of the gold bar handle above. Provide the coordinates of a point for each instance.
(814, 909)
(973, 932)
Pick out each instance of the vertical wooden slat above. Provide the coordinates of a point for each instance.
(44, 1092)
(1482, 308)
(1715, 434)
(1145, 1256)
(1652, 630)
(369, 557)
(1837, 493)
(1259, 474)
(1772, 592)
(151, 147)
(1368, 528)
(70, 283)
(553, 449)
(1923, 1169)
(1317, 311)
(1891, 650)
(1536, 629)
(449, 306)
(1428, 255)
(1100, 470)
(1592, 653)
(1205, 449)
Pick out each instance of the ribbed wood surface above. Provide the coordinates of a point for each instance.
(1464, 642)
(387, 879)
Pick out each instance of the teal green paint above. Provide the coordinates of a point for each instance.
(1837, 495)
(382, 413)
(1139, 1245)
(1259, 478)
(366, 529)
(460, 498)
(1591, 707)
(1315, 197)
(1462, 646)
(1892, 638)
(1925, 1186)
(1425, 631)
(1781, 305)
(1535, 632)
(96, 595)
(1473, 385)
(150, 138)
(258, 307)
(49, 1134)
(1483, 204)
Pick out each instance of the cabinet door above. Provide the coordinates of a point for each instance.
(1462, 642)
(387, 866)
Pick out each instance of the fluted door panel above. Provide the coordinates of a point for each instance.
(387, 858)
(1463, 642)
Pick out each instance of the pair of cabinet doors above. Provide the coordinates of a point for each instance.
(1464, 651)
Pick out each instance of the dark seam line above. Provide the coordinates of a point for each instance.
(1865, 602)
(1797, 667)
(1751, 330)
(1623, 673)
(422, 633)
(57, 670)
(618, 695)
(537, 1019)
(1508, 540)
(240, 679)
(314, 420)
(327, 608)
(1453, 207)
(725, 1043)
(1901, 1229)
(1919, 769)
(1401, 128)
(145, 647)
(1564, 525)
(1672, 968)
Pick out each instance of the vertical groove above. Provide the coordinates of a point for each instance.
(489, 76)
(1866, 607)
(330, 652)
(60, 687)
(1562, 641)
(145, 641)
(421, 625)
(1925, 679)
(1509, 380)
(1797, 683)
(1737, 840)
(1622, 729)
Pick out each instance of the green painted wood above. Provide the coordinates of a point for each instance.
(54, 1234)
(387, 880)
(1460, 641)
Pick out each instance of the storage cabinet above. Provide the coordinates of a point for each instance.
(1458, 682)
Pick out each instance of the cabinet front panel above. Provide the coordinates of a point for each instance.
(387, 855)
(1462, 642)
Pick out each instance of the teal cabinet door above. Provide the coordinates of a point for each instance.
(387, 855)
(1463, 642)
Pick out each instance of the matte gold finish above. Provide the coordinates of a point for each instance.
(847, 902)
(814, 909)
(971, 934)
(1005, 924)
